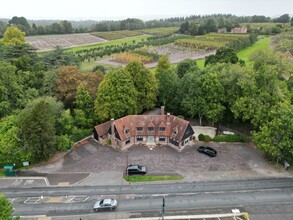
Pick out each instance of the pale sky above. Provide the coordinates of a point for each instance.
(144, 9)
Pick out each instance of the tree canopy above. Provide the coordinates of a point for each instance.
(13, 36)
(116, 96)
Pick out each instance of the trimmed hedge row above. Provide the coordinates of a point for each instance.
(231, 138)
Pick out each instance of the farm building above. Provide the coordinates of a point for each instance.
(239, 30)
(150, 130)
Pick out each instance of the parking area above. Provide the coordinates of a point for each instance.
(106, 165)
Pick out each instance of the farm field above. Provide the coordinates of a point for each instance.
(109, 43)
(114, 35)
(49, 42)
(213, 41)
(176, 54)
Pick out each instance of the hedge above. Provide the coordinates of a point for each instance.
(205, 138)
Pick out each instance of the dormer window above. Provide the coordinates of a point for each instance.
(174, 132)
(162, 129)
(126, 131)
(151, 128)
(139, 128)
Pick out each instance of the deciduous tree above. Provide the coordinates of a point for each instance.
(13, 36)
(37, 128)
(6, 211)
(145, 83)
(116, 96)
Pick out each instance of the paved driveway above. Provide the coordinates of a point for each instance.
(106, 165)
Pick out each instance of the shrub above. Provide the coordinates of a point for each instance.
(108, 141)
(231, 138)
(205, 138)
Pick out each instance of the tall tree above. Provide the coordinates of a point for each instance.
(116, 96)
(204, 97)
(275, 137)
(10, 88)
(13, 36)
(168, 81)
(145, 83)
(10, 151)
(261, 91)
(163, 64)
(6, 211)
(84, 108)
(37, 128)
(21, 23)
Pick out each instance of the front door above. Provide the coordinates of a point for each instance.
(151, 139)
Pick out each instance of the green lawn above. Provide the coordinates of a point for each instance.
(151, 178)
(260, 44)
(245, 53)
(109, 43)
(2, 173)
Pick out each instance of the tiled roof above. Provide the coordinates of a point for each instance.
(131, 122)
(102, 129)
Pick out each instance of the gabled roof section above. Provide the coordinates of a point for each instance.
(102, 129)
(145, 121)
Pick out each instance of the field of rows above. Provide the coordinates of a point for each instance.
(114, 35)
(211, 41)
(49, 42)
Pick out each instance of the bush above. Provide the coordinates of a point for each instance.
(205, 138)
(108, 141)
(231, 138)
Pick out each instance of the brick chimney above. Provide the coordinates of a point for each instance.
(168, 118)
(112, 129)
(162, 110)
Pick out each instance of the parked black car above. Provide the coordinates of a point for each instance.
(135, 169)
(208, 151)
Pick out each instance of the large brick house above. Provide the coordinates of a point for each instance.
(150, 130)
(239, 30)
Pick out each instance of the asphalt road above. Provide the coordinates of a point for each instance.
(143, 198)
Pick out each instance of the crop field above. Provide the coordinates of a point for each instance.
(128, 57)
(161, 31)
(114, 35)
(211, 41)
(129, 40)
(49, 42)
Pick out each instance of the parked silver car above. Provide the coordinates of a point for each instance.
(105, 204)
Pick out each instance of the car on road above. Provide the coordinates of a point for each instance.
(208, 151)
(105, 204)
(135, 169)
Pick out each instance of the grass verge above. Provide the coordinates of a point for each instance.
(151, 178)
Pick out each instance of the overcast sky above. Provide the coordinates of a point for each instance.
(144, 9)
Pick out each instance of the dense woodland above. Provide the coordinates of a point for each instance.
(47, 104)
(195, 24)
